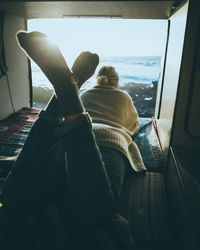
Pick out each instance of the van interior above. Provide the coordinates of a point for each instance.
(162, 204)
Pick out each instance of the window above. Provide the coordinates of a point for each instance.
(133, 47)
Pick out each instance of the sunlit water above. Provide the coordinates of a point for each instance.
(130, 69)
(137, 70)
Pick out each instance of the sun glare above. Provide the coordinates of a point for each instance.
(106, 37)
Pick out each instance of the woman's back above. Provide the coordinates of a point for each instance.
(111, 106)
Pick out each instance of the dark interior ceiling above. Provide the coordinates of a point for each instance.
(59, 9)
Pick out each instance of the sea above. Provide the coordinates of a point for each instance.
(139, 70)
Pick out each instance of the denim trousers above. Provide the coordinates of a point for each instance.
(62, 162)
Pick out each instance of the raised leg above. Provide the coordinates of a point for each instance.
(88, 182)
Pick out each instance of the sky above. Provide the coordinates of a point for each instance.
(106, 37)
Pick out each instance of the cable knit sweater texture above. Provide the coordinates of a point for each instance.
(114, 121)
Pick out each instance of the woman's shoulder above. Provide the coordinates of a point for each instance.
(123, 93)
(96, 90)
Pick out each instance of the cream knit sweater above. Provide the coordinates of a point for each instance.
(114, 121)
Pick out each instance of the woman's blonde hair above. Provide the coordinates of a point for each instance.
(103, 76)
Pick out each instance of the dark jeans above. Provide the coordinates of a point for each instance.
(65, 163)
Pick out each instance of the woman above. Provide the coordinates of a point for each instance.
(114, 121)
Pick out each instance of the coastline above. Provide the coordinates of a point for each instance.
(143, 96)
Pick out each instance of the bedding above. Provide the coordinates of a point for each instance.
(15, 129)
(13, 133)
(148, 142)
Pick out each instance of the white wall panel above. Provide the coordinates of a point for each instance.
(17, 70)
(171, 75)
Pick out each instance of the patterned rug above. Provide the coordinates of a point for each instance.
(15, 129)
